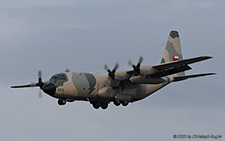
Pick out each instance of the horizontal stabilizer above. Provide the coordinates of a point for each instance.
(180, 78)
(182, 62)
(169, 68)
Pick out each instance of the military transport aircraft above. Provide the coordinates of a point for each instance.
(121, 87)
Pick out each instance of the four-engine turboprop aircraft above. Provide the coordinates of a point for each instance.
(121, 87)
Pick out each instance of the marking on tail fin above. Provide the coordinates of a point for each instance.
(175, 58)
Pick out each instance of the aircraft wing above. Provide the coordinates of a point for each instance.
(177, 66)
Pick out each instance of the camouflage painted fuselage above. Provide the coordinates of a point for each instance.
(97, 87)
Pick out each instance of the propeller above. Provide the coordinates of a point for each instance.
(40, 83)
(136, 68)
(48, 88)
(111, 73)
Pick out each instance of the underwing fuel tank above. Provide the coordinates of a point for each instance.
(150, 80)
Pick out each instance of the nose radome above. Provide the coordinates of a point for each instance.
(49, 89)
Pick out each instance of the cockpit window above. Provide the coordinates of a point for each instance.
(59, 79)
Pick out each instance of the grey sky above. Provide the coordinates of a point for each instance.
(53, 35)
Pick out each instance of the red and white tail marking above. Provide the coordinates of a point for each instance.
(175, 58)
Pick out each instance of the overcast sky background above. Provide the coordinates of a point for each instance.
(83, 35)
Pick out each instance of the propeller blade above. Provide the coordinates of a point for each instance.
(40, 83)
(130, 63)
(25, 86)
(140, 61)
(106, 67)
(39, 74)
(40, 94)
(33, 84)
(116, 67)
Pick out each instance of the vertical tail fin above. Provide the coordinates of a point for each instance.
(173, 49)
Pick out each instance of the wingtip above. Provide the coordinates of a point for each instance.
(207, 57)
(212, 73)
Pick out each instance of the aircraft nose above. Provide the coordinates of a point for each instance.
(49, 89)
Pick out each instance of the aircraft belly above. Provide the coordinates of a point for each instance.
(147, 89)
